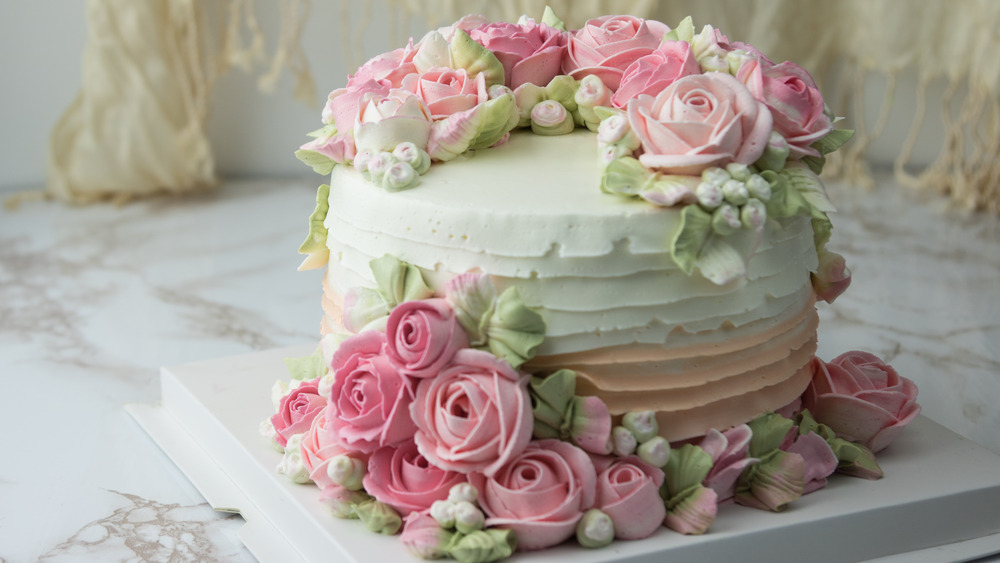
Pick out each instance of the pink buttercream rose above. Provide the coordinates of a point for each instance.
(654, 72)
(370, 399)
(541, 494)
(403, 478)
(318, 447)
(383, 122)
(795, 102)
(343, 104)
(530, 53)
(297, 410)
(628, 491)
(730, 451)
(387, 68)
(699, 121)
(423, 336)
(606, 46)
(861, 398)
(447, 91)
(474, 416)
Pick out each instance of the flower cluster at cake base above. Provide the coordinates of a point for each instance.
(422, 421)
(684, 120)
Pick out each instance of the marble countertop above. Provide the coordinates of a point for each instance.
(93, 300)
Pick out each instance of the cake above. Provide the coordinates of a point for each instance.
(570, 290)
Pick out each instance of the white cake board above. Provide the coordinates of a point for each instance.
(939, 501)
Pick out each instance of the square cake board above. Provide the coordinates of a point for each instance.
(939, 500)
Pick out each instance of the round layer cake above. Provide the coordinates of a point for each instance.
(641, 333)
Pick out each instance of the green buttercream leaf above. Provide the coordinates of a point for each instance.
(815, 163)
(307, 368)
(785, 201)
(324, 132)
(475, 59)
(855, 460)
(773, 482)
(315, 244)
(809, 185)
(550, 19)
(719, 262)
(604, 112)
(499, 115)
(563, 89)
(626, 176)
(833, 141)
(686, 468)
(398, 281)
(551, 399)
(484, 546)
(822, 229)
(683, 32)
(379, 517)
(320, 163)
(691, 236)
(769, 430)
(514, 331)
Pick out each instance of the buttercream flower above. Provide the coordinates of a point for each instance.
(339, 148)
(819, 459)
(861, 398)
(384, 122)
(387, 68)
(541, 494)
(654, 72)
(423, 536)
(318, 447)
(343, 104)
(474, 416)
(628, 491)
(369, 399)
(403, 478)
(447, 91)
(297, 410)
(422, 336)
(606, 46)
(832, 277)
(730, 456)
(795, 102)
(529, 52)
(697, 122)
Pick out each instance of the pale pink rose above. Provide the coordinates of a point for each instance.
(383, 122)
(387, 68)
(654, 72)
(423, 536)
(861, 398)
(423, 336)
(832, 277)
(447, 91)
(699, 121)
(318, 447)
(730, 456)
(297, 410)
(540, 494)
(795, 102)
(403, 478)
(628, 491)
(338, 148)
(606, 46)
(530, 53)
(475, 415)
(370, 399)
(343, 104)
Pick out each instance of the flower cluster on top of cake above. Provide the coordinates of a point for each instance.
(683, 119)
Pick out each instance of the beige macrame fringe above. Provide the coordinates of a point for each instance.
(137, 127)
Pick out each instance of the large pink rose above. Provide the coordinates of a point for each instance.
(383, 122)
(794, 100)
(343, 104)
(474, 416)
(387, 68)
(297, 410)
(861, 398)
(423, 336)
(541, 494)
(370, 399)
(447, 91)
(318, 447)
(654, 72)
(606, 46)
(403, 478)
(530, 53)
(628, 491)
(700, 121)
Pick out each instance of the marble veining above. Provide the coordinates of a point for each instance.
(94, 299)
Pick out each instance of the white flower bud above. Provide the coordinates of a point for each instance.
(642, 424)
(715, 175)
(468, 518)
(291, 465)
(399, 176)
(361, 161)
(726, 220)
(595, 529)
(443, 512)
(735, 192)
(624, 441)
(463, 492)
(346, 471)
(655, 452)
(709, 195)
(753, 214)
(759, 187)
(738, 171)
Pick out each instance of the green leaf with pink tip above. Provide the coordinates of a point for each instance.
(379, 517)
(768, 432)
(550, 19)
(514, 331)
(693, 512)
(687, 466)
(475, 59)
(315, 244)
(773, 483)
(398, 281)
